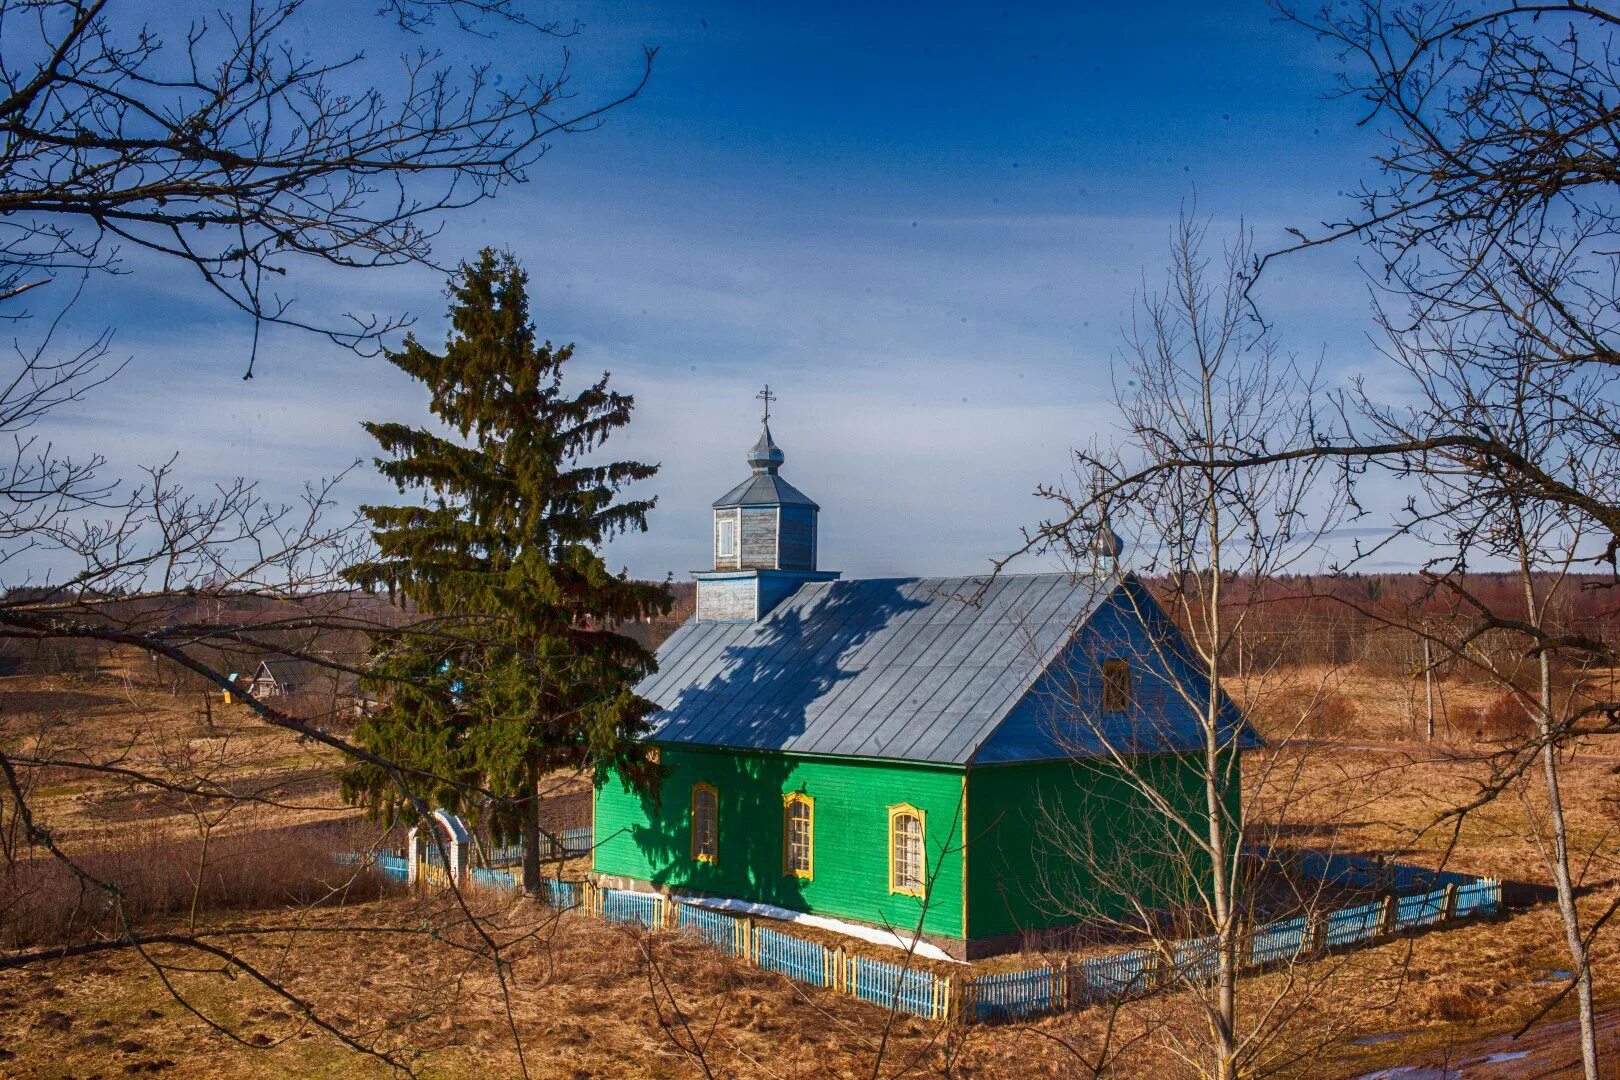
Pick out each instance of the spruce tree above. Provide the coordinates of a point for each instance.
(513, 668)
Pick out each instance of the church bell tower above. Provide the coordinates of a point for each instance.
(764, 538)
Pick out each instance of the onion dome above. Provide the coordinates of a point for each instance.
(1106, 544)
(766, 456)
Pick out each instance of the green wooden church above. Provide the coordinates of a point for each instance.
(904, 751)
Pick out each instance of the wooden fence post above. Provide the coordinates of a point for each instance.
(750, 947)
(943, 993)
(1448, 909)
(1316, 934)
(838, 970)
(1386, 918)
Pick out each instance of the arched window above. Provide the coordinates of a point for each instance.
(705, 822)
(798, 835)
(906, 866)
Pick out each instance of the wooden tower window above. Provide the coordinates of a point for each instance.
(1116, 676)
(906, 868)
(705, 823)
(798, 835)
(726, 543)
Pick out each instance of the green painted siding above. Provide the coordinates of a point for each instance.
(640, 838)
(1039, 831)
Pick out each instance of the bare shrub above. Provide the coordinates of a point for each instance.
(1502, 719)
(42, 902)
(1304, 710)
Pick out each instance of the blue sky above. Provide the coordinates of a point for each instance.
(921, 224)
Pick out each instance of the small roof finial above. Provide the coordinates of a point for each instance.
(766, 456)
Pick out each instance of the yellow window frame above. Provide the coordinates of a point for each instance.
(702, 787)
(798, 798)
(907, 810)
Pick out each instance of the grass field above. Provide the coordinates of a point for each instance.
(583, 998)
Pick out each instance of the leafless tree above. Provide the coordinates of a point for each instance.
(1493, 224)
(1200, 384)
(211, 144)
(219, 146)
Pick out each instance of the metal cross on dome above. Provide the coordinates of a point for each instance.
(767, 397)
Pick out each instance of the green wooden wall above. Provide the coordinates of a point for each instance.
(640, 838)
(1052, 842)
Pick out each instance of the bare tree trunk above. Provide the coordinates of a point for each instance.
(1558, 859)
(1428, 689)
(1566, 901)
(530, 809)
(1225, 1012)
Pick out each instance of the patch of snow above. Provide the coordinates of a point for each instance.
(1505, 1056)
(855, 930)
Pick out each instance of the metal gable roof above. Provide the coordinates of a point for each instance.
(898, 668)
(285, 669)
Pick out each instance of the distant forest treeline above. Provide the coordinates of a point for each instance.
(1301, 620)
(1372, 619)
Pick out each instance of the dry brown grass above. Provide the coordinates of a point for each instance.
(583, 999)
(105, 720)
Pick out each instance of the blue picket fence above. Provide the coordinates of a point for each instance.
(1424, 910)
(497, 879)
(1281, 940)
(506, 855)
(794, 957)
(1479, 898)
(1350, 925)
(570, 843)
(1104, 978)
(393, 866)
(1197, 960)
(717, 929)
(1010, 995)
(565, 895)
(909, 989)
(639, 909)
(1003, 995)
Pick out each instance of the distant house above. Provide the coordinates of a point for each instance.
(276, 678)
(887, 751)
